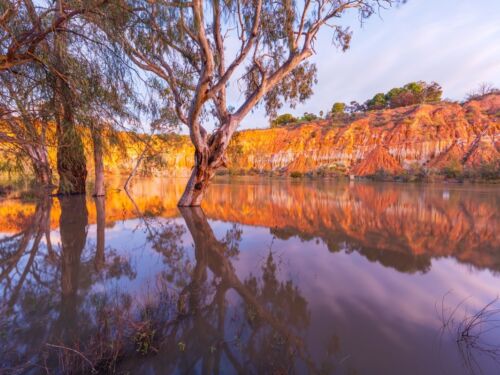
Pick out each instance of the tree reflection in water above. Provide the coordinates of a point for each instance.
(163, 291)
(46, 296)
(23, 245)
(201, 327)
(73, 229)
(267, 322)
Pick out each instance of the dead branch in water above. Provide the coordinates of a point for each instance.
(469, 332)
(74, 351)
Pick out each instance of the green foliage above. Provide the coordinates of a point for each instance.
(410, 94)
(484, 172)
(308, 117)
(379, 101)
(338, 108)
(394, 93)
(283, 119)
(489, 171)
(452, 170)
(415, 173)
(295, 88)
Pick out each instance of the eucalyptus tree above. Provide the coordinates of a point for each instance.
(105, 100)
(78, 77)
(25, 26)
(96, 91)
(23, 114)
(34, 35)
(199, 51)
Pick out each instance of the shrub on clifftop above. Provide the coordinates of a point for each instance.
(283, 119)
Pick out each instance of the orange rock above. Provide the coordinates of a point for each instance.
(377, 160)
(428, 135)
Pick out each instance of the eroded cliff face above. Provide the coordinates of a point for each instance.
(430, 136)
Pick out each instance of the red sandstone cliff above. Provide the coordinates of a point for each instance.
(432, 136)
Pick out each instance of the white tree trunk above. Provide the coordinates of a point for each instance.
(99, 188)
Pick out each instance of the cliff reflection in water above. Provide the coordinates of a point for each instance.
(401, 226)
(270, 276)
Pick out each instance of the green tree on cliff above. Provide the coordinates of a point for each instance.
(283, 119)
(410, 94)
(379, 101)
(338, 109)
(307, 117)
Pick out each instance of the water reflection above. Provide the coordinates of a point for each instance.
(73, 231)
(101, 232)
(398, 226)
(23, 245)
(259, 334)
(269, 277)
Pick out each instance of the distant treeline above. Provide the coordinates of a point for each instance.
(412, 93)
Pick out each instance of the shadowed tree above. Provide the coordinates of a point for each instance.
(23, 117)
(74, 75)
(71, 161)
(184, 45)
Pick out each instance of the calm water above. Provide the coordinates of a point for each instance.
(271, 276)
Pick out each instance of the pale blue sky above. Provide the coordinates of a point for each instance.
(453, 42)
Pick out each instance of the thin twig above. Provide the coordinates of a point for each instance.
(74, 351)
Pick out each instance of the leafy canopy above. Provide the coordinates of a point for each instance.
(410, 94)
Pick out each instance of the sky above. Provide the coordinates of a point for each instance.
(453, 42)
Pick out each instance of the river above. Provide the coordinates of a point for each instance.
(269, 276)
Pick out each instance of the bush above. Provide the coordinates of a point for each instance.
(338, 108)
(295, 174)
(308, 117)
(381, 175)
(484, 172)
(283, 119)
(483, 89)
(490, 171)
(379, 101)
(410, 94)
(452, 170)
(416, 173)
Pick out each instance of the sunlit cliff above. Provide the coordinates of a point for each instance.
(430, 136)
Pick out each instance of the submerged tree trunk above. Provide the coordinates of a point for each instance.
(196, 186)
(71, 162)
(99, 189)
(205, 165)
